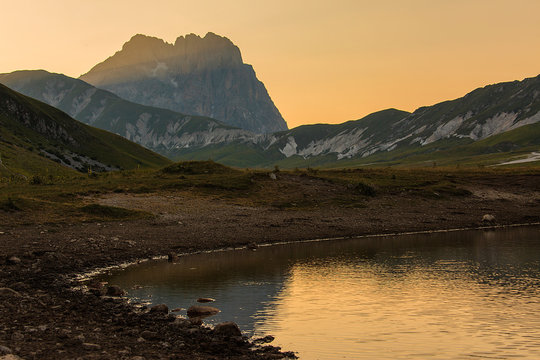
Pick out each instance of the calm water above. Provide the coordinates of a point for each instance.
(462, 295)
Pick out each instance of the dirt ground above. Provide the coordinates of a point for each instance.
(43, 317)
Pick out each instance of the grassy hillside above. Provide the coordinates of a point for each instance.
(32, 132)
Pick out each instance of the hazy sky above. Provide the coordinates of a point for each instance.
(321, 61)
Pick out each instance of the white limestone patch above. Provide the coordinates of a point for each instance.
(527, 121)
(534, 156)
(345, 144)
(444, 130)
(290, 148)
(142, 123)
(159, 70)
(494, 125)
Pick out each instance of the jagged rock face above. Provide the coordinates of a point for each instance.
(199, 76)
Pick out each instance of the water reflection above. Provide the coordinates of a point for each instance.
(442, 296)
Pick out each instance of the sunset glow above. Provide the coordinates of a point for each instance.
(321, 61)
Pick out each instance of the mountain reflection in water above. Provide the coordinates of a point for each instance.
(444, 296)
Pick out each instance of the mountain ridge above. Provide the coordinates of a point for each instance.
(389, 135)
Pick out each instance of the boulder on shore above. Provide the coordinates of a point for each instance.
(227, 329)
(161, 308)
(172, 257)
(488, 219)
(115, 290)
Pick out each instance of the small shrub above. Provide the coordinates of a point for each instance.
(366, 189)
(36, 180)
(312, 171)
(110, 211)
(197, 168)
(9, 205)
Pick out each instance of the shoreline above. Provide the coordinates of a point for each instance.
(86, 276)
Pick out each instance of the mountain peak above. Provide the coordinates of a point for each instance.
(139, 41)
(196, 75)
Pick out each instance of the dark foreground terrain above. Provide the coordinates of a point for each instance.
(53, 229)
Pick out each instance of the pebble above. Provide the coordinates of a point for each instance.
(228, 329)
(4, 350)
(115, 290)
(10, 357)
(161, 308)
(172, 257)
(149, 335)
(265, 340)
(205, 300)
(91, 347)
(181, 322)
(8, 291)
(13, 260)
(192, 331)
(196, 310)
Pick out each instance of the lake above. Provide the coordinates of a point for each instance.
(456, 295)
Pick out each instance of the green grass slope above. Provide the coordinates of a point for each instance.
(31, 131)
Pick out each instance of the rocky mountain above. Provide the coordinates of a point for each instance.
(36, 137)
(496, 122)
(199, 76)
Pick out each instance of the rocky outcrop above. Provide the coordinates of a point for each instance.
(201, 76)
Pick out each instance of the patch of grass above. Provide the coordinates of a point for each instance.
(366, 189)
(197, 168)
(9, 205)
(450, 190)
(36, 180)
(63, 199)
(112, 212)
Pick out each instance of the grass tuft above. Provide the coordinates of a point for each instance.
(366, 189)
(112, 212)
(197, 168)
(9, 205)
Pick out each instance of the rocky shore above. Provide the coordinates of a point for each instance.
(44, 316)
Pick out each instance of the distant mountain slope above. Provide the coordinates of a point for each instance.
(160, 130)
(468, 126)
(324, 142)
(201, 76)
(37, 129)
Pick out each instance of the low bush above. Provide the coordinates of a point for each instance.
(9, 205)
(366, 189)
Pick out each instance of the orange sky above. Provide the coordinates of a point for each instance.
(321, 61)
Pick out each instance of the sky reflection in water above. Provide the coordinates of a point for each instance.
(440, 296)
